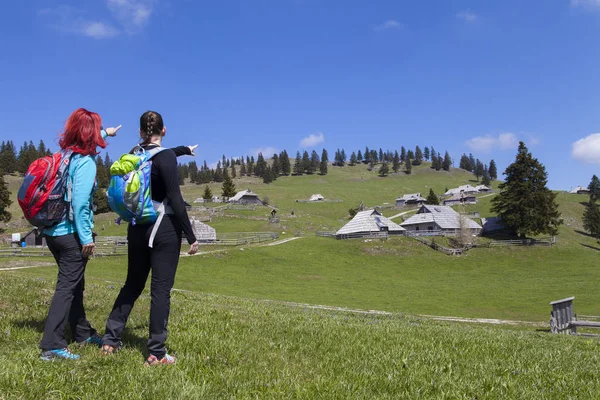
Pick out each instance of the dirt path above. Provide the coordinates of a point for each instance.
(401, 214)
(278, 242)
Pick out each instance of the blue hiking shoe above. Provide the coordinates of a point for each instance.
(58, 354)
(95, 340)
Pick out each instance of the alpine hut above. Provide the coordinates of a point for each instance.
(246, 197)
(442, 220)
(367, 223)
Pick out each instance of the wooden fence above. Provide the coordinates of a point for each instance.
(360, 235)
(547, 241)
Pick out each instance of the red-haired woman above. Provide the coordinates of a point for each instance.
(71, 241)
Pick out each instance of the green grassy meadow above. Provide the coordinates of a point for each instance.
(239, 338)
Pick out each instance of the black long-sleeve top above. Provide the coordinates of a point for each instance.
(165, 184)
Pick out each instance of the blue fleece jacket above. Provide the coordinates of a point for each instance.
(82, 177)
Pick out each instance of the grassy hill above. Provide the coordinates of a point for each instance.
(246, 349)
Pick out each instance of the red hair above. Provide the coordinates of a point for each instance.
(82, 133)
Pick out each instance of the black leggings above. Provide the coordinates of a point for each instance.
(67, 302)
(162, 259)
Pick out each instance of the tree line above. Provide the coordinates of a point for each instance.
(487, 172)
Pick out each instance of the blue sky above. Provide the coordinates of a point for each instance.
(241, 76)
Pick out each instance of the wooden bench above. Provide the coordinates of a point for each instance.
(564, 320)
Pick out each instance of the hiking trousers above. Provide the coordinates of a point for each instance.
(67, 302)
(162, 260)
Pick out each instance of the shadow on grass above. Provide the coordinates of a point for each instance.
(547, 330)
(37, 325)
(584, 234)
(590, 247)
(132, 340)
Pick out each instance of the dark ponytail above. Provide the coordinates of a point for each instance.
(151, 124)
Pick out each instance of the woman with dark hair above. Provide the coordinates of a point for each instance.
(71, 241)
(162, 258)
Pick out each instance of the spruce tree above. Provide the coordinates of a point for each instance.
(478, 171)
(384, 169)
(353, 159)
(396, 162)
(408, 166)
(359, 156)
(207, 195)
(219, 175)
(267, 175)
(275, 165)
(314, 162)
(447, 162)
(524, 203)
(464, 162)
(472, 163)
(233, 171)
(432, 198)
(426, 153)
(5, 200)
(591, 219)
(418, 156)
(486, 180)
(402, 154)
(298, 164)
(594, 188)
(228, 187)
(493, 171)
(323, 164)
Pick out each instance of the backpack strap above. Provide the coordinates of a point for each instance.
(161, 210)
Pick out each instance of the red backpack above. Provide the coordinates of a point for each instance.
(43, 195)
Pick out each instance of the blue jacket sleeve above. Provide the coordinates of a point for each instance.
(84, 177)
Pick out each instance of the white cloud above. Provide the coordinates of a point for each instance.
(133, 14)
(467, 16)
(589, 4)
(98, 30)
(388, 25)
(486, 143)
(587, 149)
(72, 20)
(312, 140)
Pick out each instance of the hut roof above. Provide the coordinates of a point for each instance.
(483, 188)
(463, 188)
(369, 221)
(316, 197)
(579, 189)
(412, 196)
(243, 193)
(444, 216)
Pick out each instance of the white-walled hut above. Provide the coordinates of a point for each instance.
(410, 199)
(316, 197)
(440, 219)
(579, 190)
(368, 222)
(203, 232)
(483, 189)
(246, 197)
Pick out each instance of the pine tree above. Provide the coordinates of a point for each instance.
(396, 162)
(324, 161)
(228, 187)
(243, 170)
(298, 164)
(591, 219)
(275, 165)
(284, 161)
(464, 162)
(8, 157)
(260, 166)
(594, 188)
(267, 175)
(314, 162)
(5, 200)
(207, 194)
(219, 173)
(426, 153)
(402, 154)
(486, 180)
(447, 162)
(408, 166)
(435, 162)
(432, 198)
(384, 169)
(410, 155)
(353, 159)
(359, 156)
(524, 203)
(418, 156)
(493, 171)
(233, 171)
(472, 163)
(381, 155)
(478, 171)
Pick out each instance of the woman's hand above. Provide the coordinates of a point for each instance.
(112, 131)
(193, 248)
(192, 148)
(88, 249)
